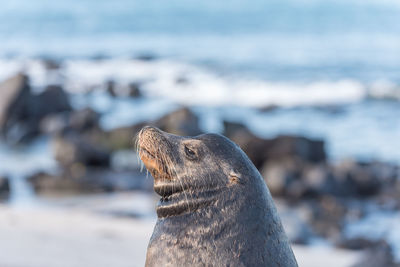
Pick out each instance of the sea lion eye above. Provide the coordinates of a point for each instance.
(190, 153)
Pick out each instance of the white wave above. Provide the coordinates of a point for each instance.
(187, 84)
(202, 87)
(384, 89)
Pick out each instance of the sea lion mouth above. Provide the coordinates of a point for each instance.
(147, 157)
(153, 153)
(155, 165)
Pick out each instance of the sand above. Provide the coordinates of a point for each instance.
(84, 232)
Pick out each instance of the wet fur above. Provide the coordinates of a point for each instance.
(220, 213)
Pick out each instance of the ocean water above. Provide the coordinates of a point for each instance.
(332, 66)
(303, 40)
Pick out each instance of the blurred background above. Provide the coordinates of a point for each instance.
(310, 90)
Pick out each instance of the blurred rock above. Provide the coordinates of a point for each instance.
(145, 57)
(327, 217)
(358, 243)
(280, 148)
(79, 121)
(125, 160)
(72, 149)
(379, 255)
(110, 87)
(44, 183)
(296, 179)
(4, 188)
(99, 57)
(51, 63)
(182, 80)
(52, 100)
(181, 122)
(21, 111)
(363, 179)
(80, 180)
(269, 108)
(134, 90)
(131, 90)
(14, 96)
(253, 146)
(84, 120)
(123, 137)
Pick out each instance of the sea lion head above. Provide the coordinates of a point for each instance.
(189, 171)
(215, 209)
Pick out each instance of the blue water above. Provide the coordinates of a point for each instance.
(309, 46)
(302, 40)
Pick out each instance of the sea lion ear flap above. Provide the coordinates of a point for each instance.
(235, 177)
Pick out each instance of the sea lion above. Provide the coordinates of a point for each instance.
(215, 209)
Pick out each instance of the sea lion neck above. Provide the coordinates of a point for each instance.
(184, 202)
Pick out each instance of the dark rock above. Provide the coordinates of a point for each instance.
(134, 90)
(52, 100)
(79, 121)
(14, 96)
(295, 167)
(181, 122)
(269, 108)
(358, 179)
(79, 149)
(253, 146)
(231, 129)
(358, 243)
(110, 87)
(47, 184)
(280, 148)
(21, 111)
(295, 179)
(4, 188)
(84, 120)
(78, 179)
(182, 80)
(296, 146)
(51, 63)
(379, 255)
(333, 110)
(99, 57)
(130, 90)
(145, 57)
(328, 217)
(123, 137)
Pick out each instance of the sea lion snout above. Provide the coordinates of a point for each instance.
(151, 144)
(148, 132)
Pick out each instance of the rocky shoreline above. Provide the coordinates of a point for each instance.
(320, 196)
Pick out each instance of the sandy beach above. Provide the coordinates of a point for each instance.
(97, 231)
